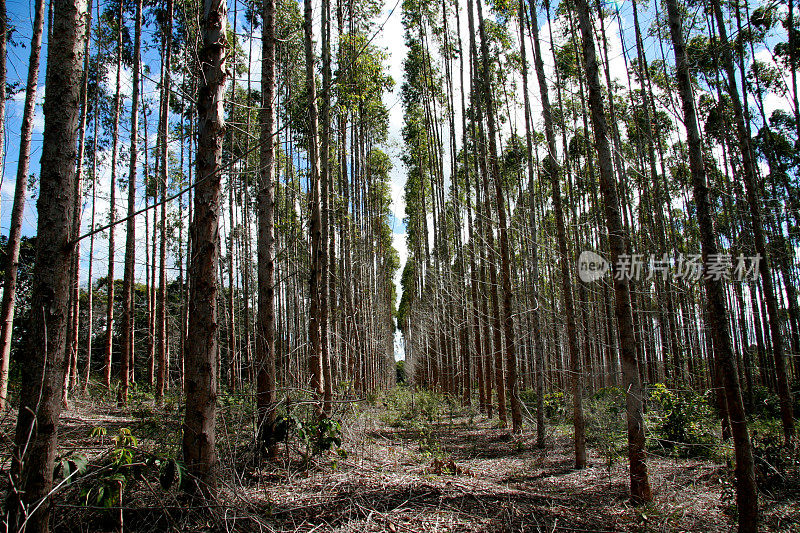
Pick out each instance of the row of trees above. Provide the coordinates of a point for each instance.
(258, 255)
(675, 155)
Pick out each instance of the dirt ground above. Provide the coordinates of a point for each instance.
(455, 475)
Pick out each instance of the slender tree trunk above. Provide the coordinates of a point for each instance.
(511, 383)
(20, 187)
(537, 336)
(3, 81)
(162, 379)
(265, 338)
(89, 274)
(112, 213)
(42, 376)
(640, 485)
(126, 343)
(325, 177)
(202, 346)
(752, 193)
(315, 275)
(553, 170)
(73, 326)
(746, 491)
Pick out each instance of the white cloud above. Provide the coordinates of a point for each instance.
(398, 206)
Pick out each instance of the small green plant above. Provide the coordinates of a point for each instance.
(404, 405)
(100, 433)
(74, 466)
(372, 398)
(606, 424)
(321, 435)
(777, 465)
(104, 484)
(765, 403)
(682, 421)
(429, 445)
(316, 436)
(110, 484)
(555, 407)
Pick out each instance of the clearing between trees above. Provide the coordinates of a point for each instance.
(402, 461)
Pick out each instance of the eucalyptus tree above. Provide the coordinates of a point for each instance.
(265, 336)
(315, 228)
(36, 438)
(7, 308)
(127, 340)
(746, 491)
(753, 201)
(640, 485)
(202, 348)
(511, 384)
(117, 25)
(552, 170)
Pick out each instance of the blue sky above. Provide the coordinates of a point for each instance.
(20, 15)
(390, 38)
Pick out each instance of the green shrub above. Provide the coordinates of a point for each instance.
(429, 445)
(314, 436)
(404, 405)
(104, 484)
(682, 421)
(606, 422)
(555, 406)
(765, 403)
(614, 396)
(777, 466)
(528, 397)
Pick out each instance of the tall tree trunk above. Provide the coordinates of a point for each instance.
(112, 212)
(640, 485)
(752, 193)
(162, 379)
(553, 170)
(20, 187)
(315, 275)
(265, 338)
(126, 343)
(42, 376)
(537, 334)
(73, 326)
(89, 274)
(511, 383)
(202, 347)
(325, 177)
(746, 491)
(3, 81)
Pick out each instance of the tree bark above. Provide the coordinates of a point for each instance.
(746, 491)
(20, 187)
(112, 213)
(265, 339)
(325, 177)
(202, 348)
(752, 193)
(162, 378)
(126, 342)
(640, 485)
(536, 327)
(553, 171)
(42, 377)
(511, 382)
(315, 274)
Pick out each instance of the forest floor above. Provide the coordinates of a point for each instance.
(451, 473)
